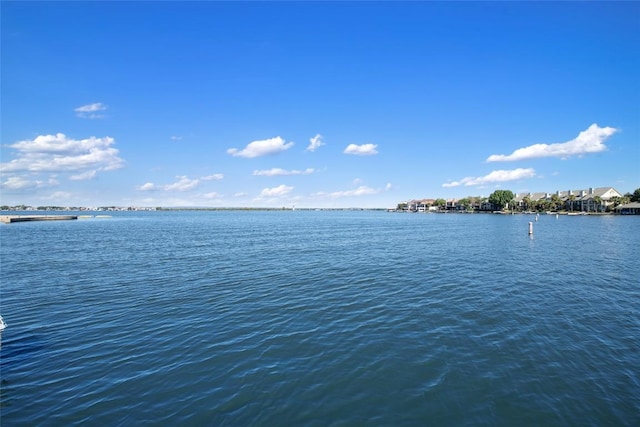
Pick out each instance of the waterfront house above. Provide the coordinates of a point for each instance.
(587, 200)
(629, 209)
(592, 199)
(423, 205)
(524, 200)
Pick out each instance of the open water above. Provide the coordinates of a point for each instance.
(321, 318)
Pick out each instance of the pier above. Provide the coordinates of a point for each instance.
(7, 219)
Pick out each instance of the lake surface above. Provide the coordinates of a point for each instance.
(321, 318)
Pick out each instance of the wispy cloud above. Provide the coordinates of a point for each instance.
(84, 176)
(59, 195)
(361, 150)
(261, 148)
(148, 186)
(91, 111)
(59, 153)
(362, 190)
(182, 184)
(315, 143)
(493, 177)
(588, 141)
(214, 177)
(176, 138)
(16, 183)
(21, 183)
(282, 172)
(212, 195)
(278, 191)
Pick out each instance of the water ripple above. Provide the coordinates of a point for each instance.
(329, 318)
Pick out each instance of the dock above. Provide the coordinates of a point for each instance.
(8, 219)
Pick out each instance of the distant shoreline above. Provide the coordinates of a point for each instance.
(33, 211)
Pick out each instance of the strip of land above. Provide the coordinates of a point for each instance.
(7, 219)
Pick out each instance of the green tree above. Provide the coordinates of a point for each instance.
(501, 198)
(597, 200)
(475, 202)
(570, 200)
(526, 200)
(401, 206)
(635, 197)
(615, 201)
(546, 205)
(441, 203)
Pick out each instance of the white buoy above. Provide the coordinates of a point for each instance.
(530, 228)
(556, 216)
(2, 328)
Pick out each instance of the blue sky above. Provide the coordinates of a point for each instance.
(315, 104)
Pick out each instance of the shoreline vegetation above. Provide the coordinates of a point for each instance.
(603, 200)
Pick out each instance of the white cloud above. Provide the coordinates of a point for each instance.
(278, 191)
(148, 186)
(282, 172)
(58, 153)
(361, 150)
(493, 177)
(176, 138)
(89, 111)
(183, 184)
(261, 148)
(240, 194)
(388, 186)
(214, 177)
(588, 141)
(315, 143)
(60, 144)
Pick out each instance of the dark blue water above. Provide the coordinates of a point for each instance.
(321, 318)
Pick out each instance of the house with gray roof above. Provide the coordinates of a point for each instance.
(586, 200)
(632, 208)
